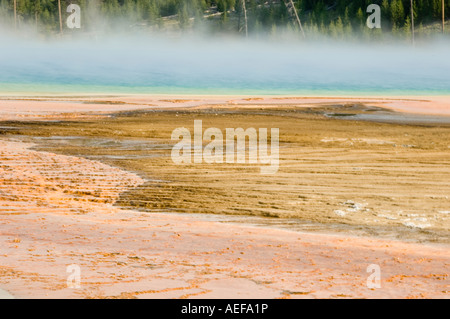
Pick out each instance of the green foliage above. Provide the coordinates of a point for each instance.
(337, 18)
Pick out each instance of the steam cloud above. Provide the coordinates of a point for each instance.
(153, 63)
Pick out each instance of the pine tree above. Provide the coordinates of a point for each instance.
(407, 28)
(397, 12)
(360, 19)
(339, 28)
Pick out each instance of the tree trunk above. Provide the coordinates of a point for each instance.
(294, 15)
(443, 16)
(15, 14)
(412, 22)
(60, 17)
(245, 18)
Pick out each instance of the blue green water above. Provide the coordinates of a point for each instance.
(159, 66)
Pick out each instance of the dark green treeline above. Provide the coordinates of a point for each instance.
(335, 18)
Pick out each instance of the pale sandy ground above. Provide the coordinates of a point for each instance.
(5, 295)
(22, 107)
(57, 210)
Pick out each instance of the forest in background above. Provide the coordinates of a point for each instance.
(338, 19)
